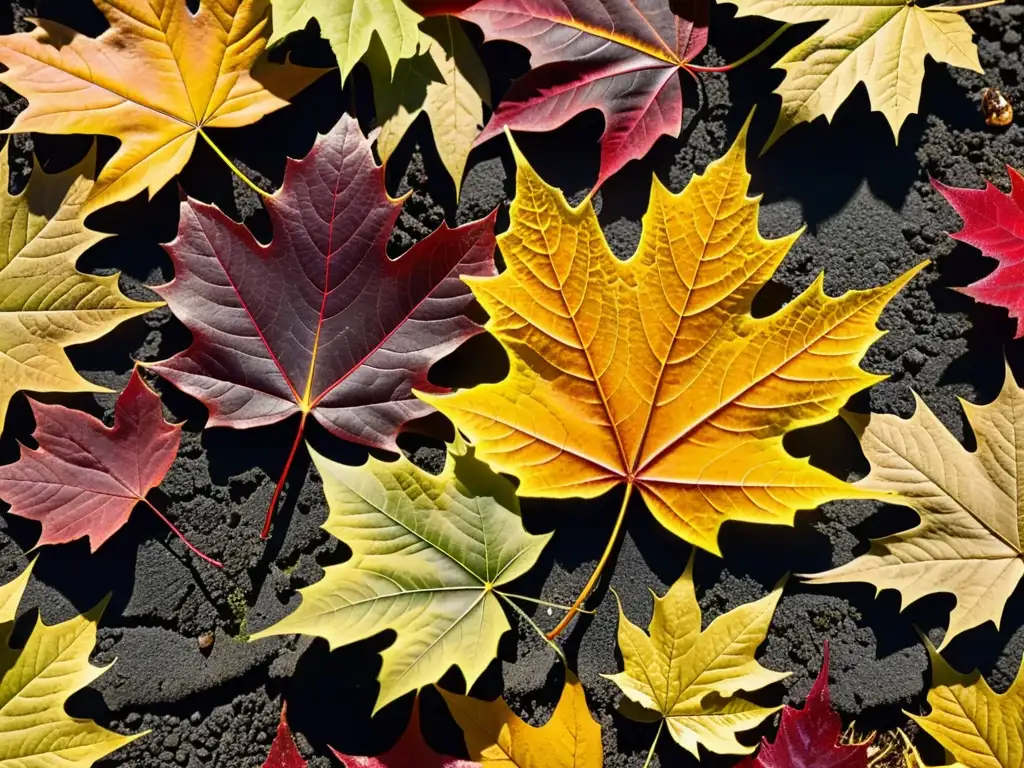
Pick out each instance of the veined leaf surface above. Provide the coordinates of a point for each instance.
(429, 556)
(155, 80)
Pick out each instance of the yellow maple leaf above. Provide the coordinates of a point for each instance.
(969, 540)
(687, 679)
(45, 303)
(498, 738)
(37, 681)
(978, 727)
(881, 43)
(157, 78)
(652, 372)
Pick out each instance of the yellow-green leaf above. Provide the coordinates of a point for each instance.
(445, 79)
(35, 730)
(45, 303)
(429, 553)
(690, 678)
(978, 727)
(350, 24)
(882, 44)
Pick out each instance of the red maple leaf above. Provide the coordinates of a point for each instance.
(622, 57)
(283, 752)
(85, 479)
(320, 321)
(411, 751)
(994, 223)
(809, 737)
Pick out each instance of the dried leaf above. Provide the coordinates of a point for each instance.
(429, 556)
(156, 79)
(690, 678)
(968, 542)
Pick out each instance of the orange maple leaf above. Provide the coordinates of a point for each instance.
(155, 79)
(652, 372)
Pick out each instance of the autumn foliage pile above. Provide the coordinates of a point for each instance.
(649, 378)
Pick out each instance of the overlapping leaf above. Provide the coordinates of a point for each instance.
(283, 752)
(809, 737)
(411, 751)
(37, 680)
(690, 678)
(618, 56)
(320, 322)
(84, 479)
(498, 738)
(978, 727)
(968, 542)
(45, 303)
(156, 79)
(350, 25)
(881, 43)
(430, 554)
(652, 372)
(994, 223)
(444, 80)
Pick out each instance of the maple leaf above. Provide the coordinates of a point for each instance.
(45, 303)
(978, 727)
(498, 738)
(430, 554)
(618, 56)
(809, 737)
(881, 43)
(84, 479)
(320, 321)
(652, 372)
(349, 26)
(411, 751)
(37, 681)
(687, 678)
(283, 752)
(445, 80)
(968, 542)
(994, 223)
(156, 79)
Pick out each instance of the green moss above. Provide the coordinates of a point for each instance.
(240, 610)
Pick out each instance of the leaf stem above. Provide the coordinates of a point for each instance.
(181, 536)
(265, 533)
(596, 575)
(554, 646)
(232, 166)
(971, 7)
(760, 49)
(650, 754)
(545, 603)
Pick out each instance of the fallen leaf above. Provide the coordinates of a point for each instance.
(283, 752)
(320, 321)
(429, 556)
(652, 372)
(617, 56)
(968, 542)
(688, 678)
(809, 737)
(978, 727)
(994, 224)
(411, 751)
(445, 80)
(498, 738)
(37, 681)
(84, 479)
(156, 79)
(45, 303)
(882, 44)
(349, 26)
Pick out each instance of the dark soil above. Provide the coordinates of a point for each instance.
(871, 214)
